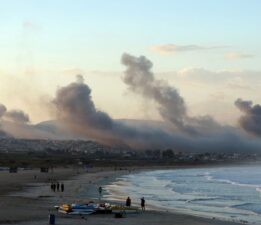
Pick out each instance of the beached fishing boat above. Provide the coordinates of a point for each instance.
(77, 209)
(84, 209)
(92, 208)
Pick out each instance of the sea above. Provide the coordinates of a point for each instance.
(228, 193)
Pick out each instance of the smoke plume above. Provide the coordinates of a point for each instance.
(2, 110)
(74, 103)
(76, 109)
(17, 116)
(140, 79)
(250, 121)
(13, 119)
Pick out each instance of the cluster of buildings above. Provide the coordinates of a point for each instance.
(80, 149)
(13, 145)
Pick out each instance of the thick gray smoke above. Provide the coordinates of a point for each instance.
(2, 110)
(17, 116)
(250, 121)
(13, 119)
(140, 79)
(74, 103)
(77, 110)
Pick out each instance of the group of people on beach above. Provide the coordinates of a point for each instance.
(142, 203)
(57, 187)
(128, 200)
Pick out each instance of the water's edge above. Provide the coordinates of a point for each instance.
(231, 207)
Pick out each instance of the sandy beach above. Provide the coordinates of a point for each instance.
(26, 198)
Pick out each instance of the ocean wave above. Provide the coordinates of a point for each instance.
(258, 189)
(226, 181)
(242, 205)
(250, 207)
(203, 199)
(197, 190)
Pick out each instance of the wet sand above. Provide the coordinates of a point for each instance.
(14, 206)
(26, 200)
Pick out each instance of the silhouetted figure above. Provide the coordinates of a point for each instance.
(100, 192)
(142, 204)
(62, 187)
(58, 186)
(54, 187)
(128, 202)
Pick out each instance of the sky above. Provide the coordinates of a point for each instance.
(209, 50)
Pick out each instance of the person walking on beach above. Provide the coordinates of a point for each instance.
(128, 202)
(142, 204)
(62, 187)
(100, 192)
(58, 186)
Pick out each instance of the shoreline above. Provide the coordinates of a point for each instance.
(174, 211)
(82, 188)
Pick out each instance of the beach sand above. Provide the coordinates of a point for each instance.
(26, 200)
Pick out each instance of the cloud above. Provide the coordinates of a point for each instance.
(168, 49)
(72, 71)
(29, 25)
(238, 83)
(237, 55)
(240, 79)
(250, 121)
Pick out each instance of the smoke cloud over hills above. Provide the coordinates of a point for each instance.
(140, 79)
(76, 108)
(74, 103)
(2, 110)
(171, 105)
(250, 121)
(78, 117)
(17, 116)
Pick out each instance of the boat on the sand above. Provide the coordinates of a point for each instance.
(83, 209)
(93, 208)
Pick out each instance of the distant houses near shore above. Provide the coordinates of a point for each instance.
(80, 150)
